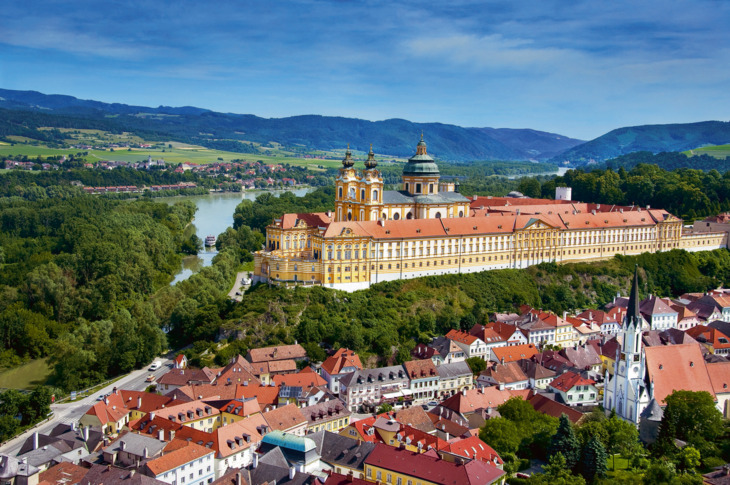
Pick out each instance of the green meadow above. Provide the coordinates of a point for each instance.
(26, 376)
(717, 151)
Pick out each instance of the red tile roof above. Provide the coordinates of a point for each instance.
(279, 352)
(431, 468)
(719, 373)
(461, 337)
(306, 379)
(341, 359)
(555, 409)
(179, 457)
(677, 367)
(418, 369)
(468, 402)
(63, 474)
(514, 352)
(285, 418)
(474, 449)
(569, 380)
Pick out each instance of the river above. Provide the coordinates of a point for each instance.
(214, 215)
(561, 171)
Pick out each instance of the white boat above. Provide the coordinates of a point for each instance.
(210, 241)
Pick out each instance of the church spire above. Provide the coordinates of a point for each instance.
(632, 311)
(348, 162)
(371, 162)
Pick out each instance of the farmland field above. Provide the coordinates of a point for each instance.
(717, 151)
(179, 153)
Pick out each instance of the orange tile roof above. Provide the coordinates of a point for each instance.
(304, 379)
(285, 418)
(514, 352)
(286, 365)
(267, 396)
(341, 359)
(111, 410)
(468, 402)
(179, 457)
(418, 369)
(677, 367)
(233, 437)
(555, 409)
(312, 219)
(461, 337)
(279, 352)
(188, 411)
(719, 373)
(242, 408)
(568, 380)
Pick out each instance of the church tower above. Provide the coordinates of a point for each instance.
(358, 197)
(421, 174)
(626, 391)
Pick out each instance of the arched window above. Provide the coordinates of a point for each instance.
(461, 213)
(408, 187)
(396, 216)
(349, 216)
(351, 193)
(362, 215)
(438, 215)
(362, 195)
(409, 215)
(375, 195)
(385, 216)
(340, 192)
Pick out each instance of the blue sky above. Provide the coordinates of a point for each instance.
(578, 68)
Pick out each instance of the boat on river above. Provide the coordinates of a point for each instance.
(210, 241)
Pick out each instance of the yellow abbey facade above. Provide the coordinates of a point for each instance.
(428, 228)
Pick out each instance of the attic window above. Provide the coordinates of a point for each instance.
(387, 232)
(626, 220)
(475, 228)
(418, 231)
(605, 221)
(643, 219)
(499, 226)
(691, 364)
(587, 222)
(661, 366)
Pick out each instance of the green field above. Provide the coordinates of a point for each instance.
(717, 151)
(179, 153)
(27, 376)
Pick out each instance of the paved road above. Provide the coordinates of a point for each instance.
(238, 287)
(70, 412)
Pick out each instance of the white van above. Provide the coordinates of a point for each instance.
(155, 365)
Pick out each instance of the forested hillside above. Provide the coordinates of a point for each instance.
(234, 132)
(76, 272)
(650, 138)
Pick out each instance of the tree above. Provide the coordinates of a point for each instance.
(689, 416)
(384, 408)
(593, 462)
(476, 364)
(556, 473)
(688, 459)
(565, 442)
(501, 434)
(623, 437)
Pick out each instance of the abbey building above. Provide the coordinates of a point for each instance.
(428, 228)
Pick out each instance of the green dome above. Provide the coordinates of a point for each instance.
(421, 163)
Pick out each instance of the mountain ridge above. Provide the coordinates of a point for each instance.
(394, 136)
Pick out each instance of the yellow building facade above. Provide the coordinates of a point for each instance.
(428, 228)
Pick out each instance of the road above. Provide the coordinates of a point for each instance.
(70, 412)
(239, 287)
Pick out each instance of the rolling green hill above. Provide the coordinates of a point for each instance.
(243, 133)
(648, 138)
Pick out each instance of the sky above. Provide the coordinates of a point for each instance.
(576, 68)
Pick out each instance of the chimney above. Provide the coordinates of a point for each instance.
(139, 402)
(122, 445)
(73, 426)
(35, 440)
(161, 435)
(238, 477)
(86, 433)
(255, 459)
(172, 434)
(152, 416)
(145, 453)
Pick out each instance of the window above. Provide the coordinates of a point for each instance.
(418, 188)
(339, 192)
(362, 194)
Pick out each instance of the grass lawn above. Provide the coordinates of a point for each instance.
(621, 463)
(27, 376)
